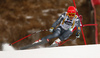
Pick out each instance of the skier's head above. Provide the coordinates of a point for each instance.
(71, 12)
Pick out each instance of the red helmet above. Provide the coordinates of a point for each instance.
(71, 9)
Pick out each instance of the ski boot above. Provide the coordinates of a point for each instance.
(55, 43)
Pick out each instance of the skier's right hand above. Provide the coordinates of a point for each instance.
(78, 35)
(51, 29)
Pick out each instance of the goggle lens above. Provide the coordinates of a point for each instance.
(71, 15)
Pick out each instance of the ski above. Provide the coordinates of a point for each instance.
(33, 45)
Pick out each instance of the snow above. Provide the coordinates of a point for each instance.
(29, 17)
(42, 23)
(66, 4)
(85, 51)
(7, 47)
(46, 10)
(59, 14)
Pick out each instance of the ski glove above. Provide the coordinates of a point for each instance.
(51, 29)
(78, 35)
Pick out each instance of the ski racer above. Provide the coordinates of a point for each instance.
(68, 21)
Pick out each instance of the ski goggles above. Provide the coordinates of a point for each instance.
(71, 14)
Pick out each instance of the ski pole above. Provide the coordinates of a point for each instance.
(28, 36)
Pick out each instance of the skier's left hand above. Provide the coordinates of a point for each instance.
(77, 35)
(51, 29)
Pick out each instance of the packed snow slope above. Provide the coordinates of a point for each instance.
(87, 51)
